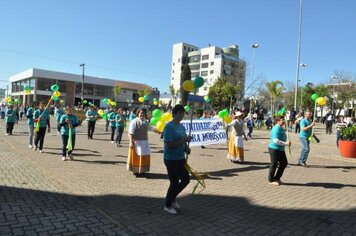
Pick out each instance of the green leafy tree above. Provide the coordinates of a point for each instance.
(185, 75)
(174, 94)
(275, 89)
(117, 90)
(223, 93)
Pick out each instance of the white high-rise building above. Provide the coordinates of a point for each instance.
(209, 63)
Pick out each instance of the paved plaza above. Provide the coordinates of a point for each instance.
(96, 195)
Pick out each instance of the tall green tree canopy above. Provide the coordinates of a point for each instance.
(223, 93)
(185, 75)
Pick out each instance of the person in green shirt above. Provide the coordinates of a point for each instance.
(91, 115)
(306, 126)
(29, 114)
(10, 119)
(68, 123)
(120, 126)
(41, 119)
(112, 121)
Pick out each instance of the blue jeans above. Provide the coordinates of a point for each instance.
(30, 134)
(305, 150)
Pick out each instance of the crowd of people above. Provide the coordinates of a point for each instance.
(176, 141)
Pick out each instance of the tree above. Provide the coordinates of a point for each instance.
(185, 75)
(117, 90)
(174, 94)
(223, 93)
(275, 89)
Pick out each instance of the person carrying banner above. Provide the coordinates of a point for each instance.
(236, 149)
(68, 122)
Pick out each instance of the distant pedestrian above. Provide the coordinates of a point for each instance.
(120, 119)
(10, 119)
(42, 120)
(29, 114)
(277, 153)
(175, 148)
(91, 116)
(112, 121)
(236, 147)
(306, 126)
(249, 124)
(329, 118)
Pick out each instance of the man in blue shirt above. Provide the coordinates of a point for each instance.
(175, 147)
(306, 126)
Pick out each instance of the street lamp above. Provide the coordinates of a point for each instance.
(298, 55)
(82, 97)
(301, 88)
(333, 78)
(253, 46)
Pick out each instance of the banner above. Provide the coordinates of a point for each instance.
(205, 131)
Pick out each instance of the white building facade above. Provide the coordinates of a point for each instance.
(209, 63)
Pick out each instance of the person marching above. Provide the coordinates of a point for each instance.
(10, 119)
(277, 153)
(58, 112)
(112, 120)
(236, 148)
(41, 119)
(91, 115)
(175, 147)
(139, 159)
(68, 121)
(120, 119)
(306, 126)
(29, 114)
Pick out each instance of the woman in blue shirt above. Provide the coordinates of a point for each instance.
(277, 153)
(41, 119)
(175, 147)
(68, 121)
(10, 119)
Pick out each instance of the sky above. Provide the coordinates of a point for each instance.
(133, 40)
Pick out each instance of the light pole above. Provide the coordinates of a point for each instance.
(253, 46)
(298, 55)
(301, 88)
(333, 78)
(82, 96)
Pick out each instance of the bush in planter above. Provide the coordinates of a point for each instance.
(348, 133)
(347, 142)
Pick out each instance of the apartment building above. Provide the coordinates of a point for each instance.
(209, 63)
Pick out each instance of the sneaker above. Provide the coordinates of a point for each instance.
(112, 141)
(170, 210)
(7, 134)
(70, 156)
(274, 183)
(29, 146)
(63, 158)
(304, 164)
(175, 205)
(40, 151)
(280, 182)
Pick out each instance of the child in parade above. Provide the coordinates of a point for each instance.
(41, 119)
(68, 123)
(29, 114)
(111, 119)
(120, 119)
(10, 119)
(91, 116)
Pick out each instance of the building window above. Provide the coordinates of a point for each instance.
(204, 65)
(194, 74)
(204, 73)
(212, 63)
(194, 67)
(185, 48)
(188, 48)
(172, 78)
(173, 71)
(211, 71)
(173, 64)
(205, 57)
(178, 59)
(194, 59)
(205, 88)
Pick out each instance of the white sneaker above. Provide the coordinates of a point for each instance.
(170, 210)
(7, 134)
(29, 146)
(112, 141)
(63, 158)
(274, 183)
(175, 205)
(40, 151)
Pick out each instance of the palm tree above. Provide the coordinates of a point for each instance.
(275, 89)
(173, 94)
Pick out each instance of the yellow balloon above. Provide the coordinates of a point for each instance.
(57, 94)
(100, 112)
(27, 91)
(160, 125)
(188, 86)
(321, 101)
(166, 117)
(141, 99)
(155, 103)
(228, 119)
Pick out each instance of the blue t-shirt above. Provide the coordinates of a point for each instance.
(29, 115)
(11, 116)
(173, 132)
(91, 115)
(122, 123)
(304, 123)
(111, 118)
(44, 118)
(277, 132)
(72, 119)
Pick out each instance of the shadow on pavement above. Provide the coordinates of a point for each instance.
(100, 162)
(324, 185)
(139, 215)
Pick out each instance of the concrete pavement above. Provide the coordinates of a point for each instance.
(94, 194)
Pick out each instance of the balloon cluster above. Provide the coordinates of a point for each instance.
(27, 89)
(107, 101)
(11, 101)
(321, 101)
(159, 120)
(193, 85)
(207, 99)
(155, 102)
(56, 94)
(102, 114)
(144, 98)
(224, 114)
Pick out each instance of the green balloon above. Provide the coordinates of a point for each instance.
(314, 97)
(104, 115)
(157, 113)
(198, 82)
(154, 120)
(105, 100)
(225, 112)
(85, 101)
(27, 88)
(221, 114)
(55, 98)
(54, 88)
(146, 97)
(187, 108)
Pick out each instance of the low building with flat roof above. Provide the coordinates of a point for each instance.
(70, 87)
